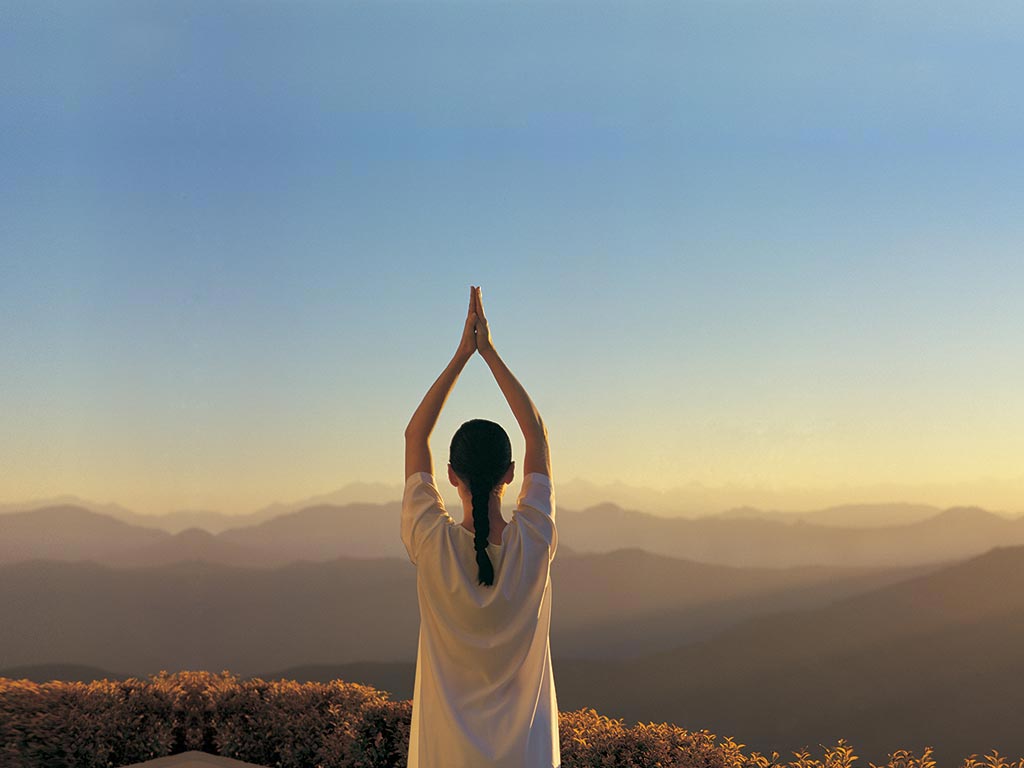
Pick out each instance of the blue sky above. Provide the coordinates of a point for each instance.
(769, 243)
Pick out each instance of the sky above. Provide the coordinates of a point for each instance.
(769, 245)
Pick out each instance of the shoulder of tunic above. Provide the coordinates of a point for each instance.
(423, 512)
(535, 509)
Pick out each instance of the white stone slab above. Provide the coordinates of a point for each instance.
(194, 759)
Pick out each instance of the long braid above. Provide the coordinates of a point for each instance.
(481, 454)
(482, 530)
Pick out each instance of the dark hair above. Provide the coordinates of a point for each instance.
(480, 454)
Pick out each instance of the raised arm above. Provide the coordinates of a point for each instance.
(537, 458)
(417, 433)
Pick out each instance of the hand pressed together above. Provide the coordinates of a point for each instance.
(476, 337)
(484, 343)
(476, 334)
(467, 344)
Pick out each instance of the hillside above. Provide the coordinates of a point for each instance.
(843, 515)
(194, 544)
(69, 532)
(206, 616)
(629, 602)
(953, 534)
(881, 658)
(931, 660)
(325, 532)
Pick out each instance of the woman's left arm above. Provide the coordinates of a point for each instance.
(417, 433)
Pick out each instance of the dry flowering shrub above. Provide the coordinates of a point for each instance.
(380, 738)
(903, 758)
(734, 757)
(21, 718)
(103, 723)
(195, 695)
(992, 760)
(135, 720)
(839, 756)
(285, 724)
(588, 739)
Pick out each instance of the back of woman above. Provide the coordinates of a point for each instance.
(484, 691)
(483, 665)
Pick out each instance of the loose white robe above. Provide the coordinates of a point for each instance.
(484, 694)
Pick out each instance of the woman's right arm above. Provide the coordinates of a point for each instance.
(537, 458)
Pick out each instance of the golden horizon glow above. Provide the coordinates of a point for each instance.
(707, 262)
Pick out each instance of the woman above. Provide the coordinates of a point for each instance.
(484, 693)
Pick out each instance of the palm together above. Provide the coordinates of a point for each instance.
(476, 336)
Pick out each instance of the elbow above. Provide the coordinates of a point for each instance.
(540, 430)
(418, 432)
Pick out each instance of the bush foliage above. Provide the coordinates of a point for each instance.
(285, 724)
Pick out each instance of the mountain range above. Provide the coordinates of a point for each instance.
(951, 534)
(204, 615)
(691, 501)
(932, 660)
(780, 633)
(325, 532)
(901, 660)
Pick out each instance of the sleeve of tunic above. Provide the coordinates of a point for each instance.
(423, 513)
(536, 511)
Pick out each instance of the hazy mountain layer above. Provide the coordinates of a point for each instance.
(955, 533)
(326, 532)
(207, 616)
(883, 659)
(932, 660)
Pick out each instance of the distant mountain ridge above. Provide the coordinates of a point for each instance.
(949, 535)
(934, 659)
(217, 522)
(201, 615)
(692, 501)
(171, 522)
(842, 516)
(325, 532)
(929, 658)
(195, 544)
(69, 532)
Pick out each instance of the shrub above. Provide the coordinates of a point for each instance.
(286, 724)
(99, 724)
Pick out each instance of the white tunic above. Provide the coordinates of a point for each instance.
(484, 694)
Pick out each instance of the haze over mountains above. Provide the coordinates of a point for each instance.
(843, 516)
(934, 660)
(612, 605)
(952, 533)
(325, 532)
(783, 633)
(691, 501)
(782, 657)
(212, 521)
